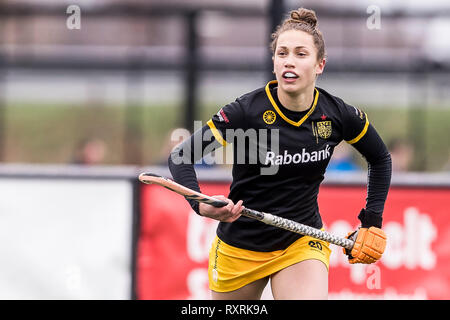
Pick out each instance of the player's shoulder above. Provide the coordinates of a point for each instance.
(329, 99)
(333, 103)
(252, 98)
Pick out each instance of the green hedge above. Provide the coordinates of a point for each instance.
(50, 133)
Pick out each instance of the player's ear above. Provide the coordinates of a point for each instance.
(320, 66)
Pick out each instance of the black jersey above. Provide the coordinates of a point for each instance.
(280, 157)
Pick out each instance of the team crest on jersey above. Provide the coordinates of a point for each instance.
(269, 117)
(324, 129)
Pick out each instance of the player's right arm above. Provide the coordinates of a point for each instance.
(210, 137)
(229, 213)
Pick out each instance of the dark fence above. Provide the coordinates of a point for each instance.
(136, 60)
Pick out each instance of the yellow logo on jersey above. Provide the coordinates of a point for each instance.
(269, 117)
(324, 129)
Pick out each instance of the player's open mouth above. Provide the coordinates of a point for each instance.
(290, 76)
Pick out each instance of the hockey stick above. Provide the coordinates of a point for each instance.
(150, 178)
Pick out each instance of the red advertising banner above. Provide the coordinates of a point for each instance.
(174, 243)
(415, 263)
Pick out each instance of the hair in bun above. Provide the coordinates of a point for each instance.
(305, 16)
(303, 20)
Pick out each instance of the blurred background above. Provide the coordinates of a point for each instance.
(135, 70)
(91, 92)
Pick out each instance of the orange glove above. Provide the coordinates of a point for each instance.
(369, 245)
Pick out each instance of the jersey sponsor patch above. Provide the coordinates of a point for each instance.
(269, 117)
(358, 126)
(302, 157)
(222, 117)
(359, 113)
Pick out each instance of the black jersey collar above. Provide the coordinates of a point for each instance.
(277, 109)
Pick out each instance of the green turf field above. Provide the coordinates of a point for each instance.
(49, 133)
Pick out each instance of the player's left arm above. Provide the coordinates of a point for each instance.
(370, 240)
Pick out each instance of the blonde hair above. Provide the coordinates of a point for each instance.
(303, 20)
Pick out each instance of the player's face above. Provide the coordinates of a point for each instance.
(295, 61)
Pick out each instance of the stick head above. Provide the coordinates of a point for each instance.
(149, 178)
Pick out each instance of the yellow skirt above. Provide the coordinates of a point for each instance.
(231, 268)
